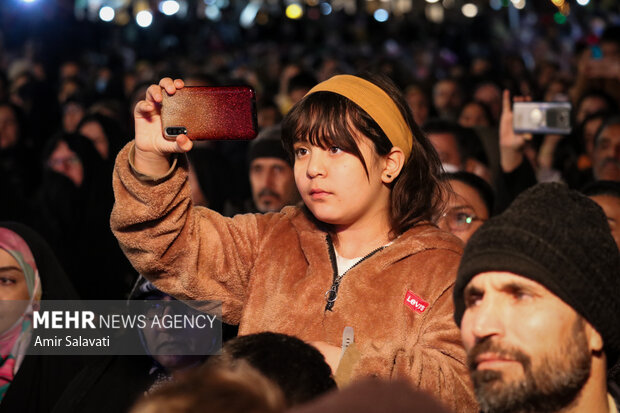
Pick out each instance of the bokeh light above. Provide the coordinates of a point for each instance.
(144, 18)
(469, 10)
(294, 11)
(106, 13)
(381, 15)
(169, 7)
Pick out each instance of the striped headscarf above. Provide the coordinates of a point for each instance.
(15, 338)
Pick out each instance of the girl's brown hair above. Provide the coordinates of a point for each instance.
(326, 119)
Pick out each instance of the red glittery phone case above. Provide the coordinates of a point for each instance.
(210, 113)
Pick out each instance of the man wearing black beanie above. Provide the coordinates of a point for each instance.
(537, 299)
(271, 175)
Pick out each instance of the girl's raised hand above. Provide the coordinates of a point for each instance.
(152, 150)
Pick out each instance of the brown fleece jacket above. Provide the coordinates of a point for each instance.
(272, 271)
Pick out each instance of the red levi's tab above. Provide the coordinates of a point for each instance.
(415, 303)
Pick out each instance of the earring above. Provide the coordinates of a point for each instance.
(389, 176)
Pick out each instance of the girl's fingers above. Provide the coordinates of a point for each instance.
(184, 144)
(153, 93)
(144, 107)
(170, 85)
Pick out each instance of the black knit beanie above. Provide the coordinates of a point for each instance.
(268, 144)
(561, 239)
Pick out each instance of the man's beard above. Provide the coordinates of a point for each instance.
(607, 169)
(269, 205)
(552, 385)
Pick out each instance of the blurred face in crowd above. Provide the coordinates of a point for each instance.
(418, 103)
(9, 129)
(447, 148)
(64, 161)
(94, 132)
(69, 70)
(590, 105)
(268, 116)
(606, 154)
(68, 88)
(72, 115)
(447, 96)
(611, 207)
(527, 350)
(465, 211)
(490, 95)
(297, 94)
(273, 184)
(589, 133)
(12, 287)
(473, 115)
(159, 339)
(555, 91)
(480, 66)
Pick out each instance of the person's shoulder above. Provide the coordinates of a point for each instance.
(426, 236)
(299, 217)
(291, 217)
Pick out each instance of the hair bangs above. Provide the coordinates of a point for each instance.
(322, 119)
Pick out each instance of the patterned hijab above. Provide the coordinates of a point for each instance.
(16, 338)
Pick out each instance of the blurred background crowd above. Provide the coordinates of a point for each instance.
(75, 69)
(72, 71)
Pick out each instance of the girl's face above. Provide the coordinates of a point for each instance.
(334, 186)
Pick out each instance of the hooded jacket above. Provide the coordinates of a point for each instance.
(272, 273)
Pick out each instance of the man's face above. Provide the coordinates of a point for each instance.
(447, 148)
(611, 207)
(419, 105)
(273, 184)
(492, 96)
(473, 115)
(446, 95)
(527, 350)
(606, 155)
(589, 133)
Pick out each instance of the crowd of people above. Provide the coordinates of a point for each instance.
(467, 266)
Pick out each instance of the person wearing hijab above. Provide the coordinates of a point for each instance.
(29, 272)
(72, 209)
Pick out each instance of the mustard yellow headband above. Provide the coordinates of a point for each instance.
(376, 103)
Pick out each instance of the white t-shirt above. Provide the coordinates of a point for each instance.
(344, 264)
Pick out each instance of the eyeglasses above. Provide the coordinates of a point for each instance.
(460, 219)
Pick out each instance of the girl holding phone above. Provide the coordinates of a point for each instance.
(360, 252)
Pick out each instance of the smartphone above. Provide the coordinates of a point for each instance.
(542, 117)
(210, 113)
